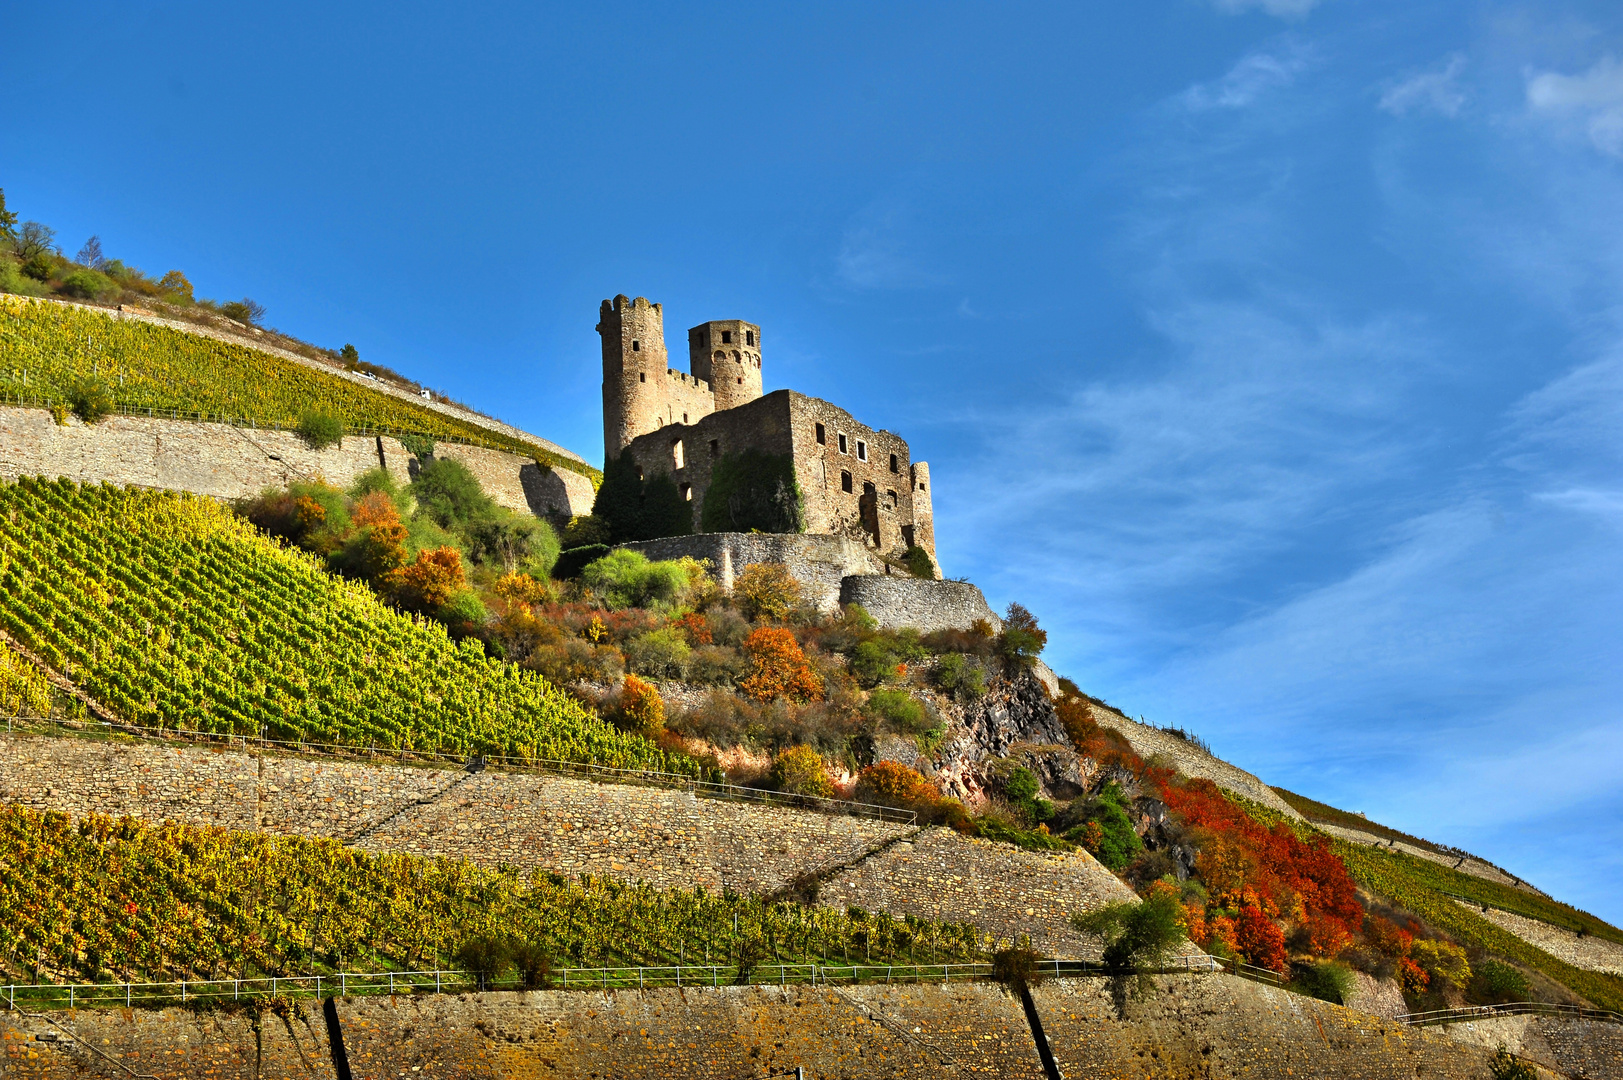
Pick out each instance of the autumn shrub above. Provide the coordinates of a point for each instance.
(425, 584)
(780, 669)
(696, 628)
(1507, 1066)
(24, 691)
(800, 771)
(891, 783)
(717, 665)
(640, 709)
(485, 957)
(1022, 640)
(1259, 939)
(659, 654)
(91, 399)
(1444, 962)
(522, 589)
(766, 591)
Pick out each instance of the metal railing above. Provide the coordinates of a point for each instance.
(706, 788)
(1514, 1008)
(443, 980)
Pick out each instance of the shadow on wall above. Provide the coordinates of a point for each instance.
(545, 491)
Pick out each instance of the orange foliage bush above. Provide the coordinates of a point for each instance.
(1260, 940)
(781, 670)
(1245, 863)
(374, 509)
(641, 709)
(1411, 976)
(428, 582)
(521, 589)
(893, 784)
(697, 629)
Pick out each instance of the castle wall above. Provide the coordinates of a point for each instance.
(228, 462)
(819, 563)
(923, 604)
(727, 354)
(822, 467)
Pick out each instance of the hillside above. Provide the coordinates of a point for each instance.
(173, 612)
(75, 358)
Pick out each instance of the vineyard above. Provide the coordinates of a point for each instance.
(47, 349)
(1420, 885)
(118, 900)
(174, 613)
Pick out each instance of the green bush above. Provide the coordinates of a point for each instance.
(959, 677)
(38, 266)
(515, 542)
(919, 563)
(897, 708)
(88, 285)
(450, 494)
(91, 399)
(319, 430)
(871, 663)
(1325, 980)
(1507, 1066)
(574, 560)
(659, 654)
(486, 958)
(623, 579)
(1021, 641)
(1139, 937)
(1021, 788)
(799, 771)
(1497, 982)
(753, 490)
(13, 280)
(1119, 844)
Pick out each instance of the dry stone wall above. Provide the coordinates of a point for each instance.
(228, 462)
(1222, 1027)
(1465, 864)
(1190, 760)
(669, 838)
(939, 874)
(819, 563)
(1587, 951)
(916, 602)
(1570, 1047)
(735, 1031)
(167, 1044)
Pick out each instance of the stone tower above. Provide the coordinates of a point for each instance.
(634, 366)
(727, 355)
(923, 531)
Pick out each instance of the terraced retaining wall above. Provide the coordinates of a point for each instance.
(669, 838)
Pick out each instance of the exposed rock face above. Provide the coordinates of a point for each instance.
(1015, 718)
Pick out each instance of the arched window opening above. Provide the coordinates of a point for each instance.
(845, 481)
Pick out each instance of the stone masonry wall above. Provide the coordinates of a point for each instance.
(819, 563)
(926, 605)
(669, 838)
(1588, 952)
(1191, 760)
(732, 1031)
(228, 462)
(1571, 1047)
(168, 1044)
(939, 874)
(1222, 1027)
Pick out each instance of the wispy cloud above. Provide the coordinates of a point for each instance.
(1591, 101)
(1284, 9)
(1256, 74)
(1434, 91)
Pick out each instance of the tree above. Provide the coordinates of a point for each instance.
(90, 255)
(35, 241)
(244, 311)
(449, 493)
(780, 667)
(175, 285)
(1021, 641)
(8, 221)
(349, 355)
(767, 591)
(1138, 938)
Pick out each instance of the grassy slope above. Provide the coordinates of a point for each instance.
(46, 348)
(1329, 815)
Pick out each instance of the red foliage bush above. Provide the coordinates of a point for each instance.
(1260, 940)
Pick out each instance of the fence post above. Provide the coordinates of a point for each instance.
(70, 995)
(343, 988)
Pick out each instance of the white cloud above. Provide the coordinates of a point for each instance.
(1592, 100)
(1284, 9)
(1433, 90)
(874, 251)
(1254, 76)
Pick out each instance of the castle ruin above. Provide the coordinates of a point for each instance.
(852, 479)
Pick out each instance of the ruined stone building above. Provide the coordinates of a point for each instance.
(853, 480)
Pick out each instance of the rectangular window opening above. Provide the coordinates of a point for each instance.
(726, 337)
(687, 492)
(862, 450)
(822, 436)
(895, 465)
(676, 453)
(845, 481)
(749, 337)
(843, 450)
(715, 447)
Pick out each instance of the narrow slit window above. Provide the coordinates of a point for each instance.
(687, 492)
(749, 337)
(684, 418)
(890, 498)
(843, 450)
(676, 453)
(642, 376)
(715, 447)
(822, 436)
(845, 481)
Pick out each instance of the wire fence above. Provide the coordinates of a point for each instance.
(710, 789)
(1514, 1008)
(453, 981)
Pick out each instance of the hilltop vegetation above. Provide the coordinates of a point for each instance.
(119, 900)
(176, 613)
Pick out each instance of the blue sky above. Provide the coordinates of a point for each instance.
(1270, 351)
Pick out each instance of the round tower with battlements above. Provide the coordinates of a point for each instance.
(634, 370)
(726, 354)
